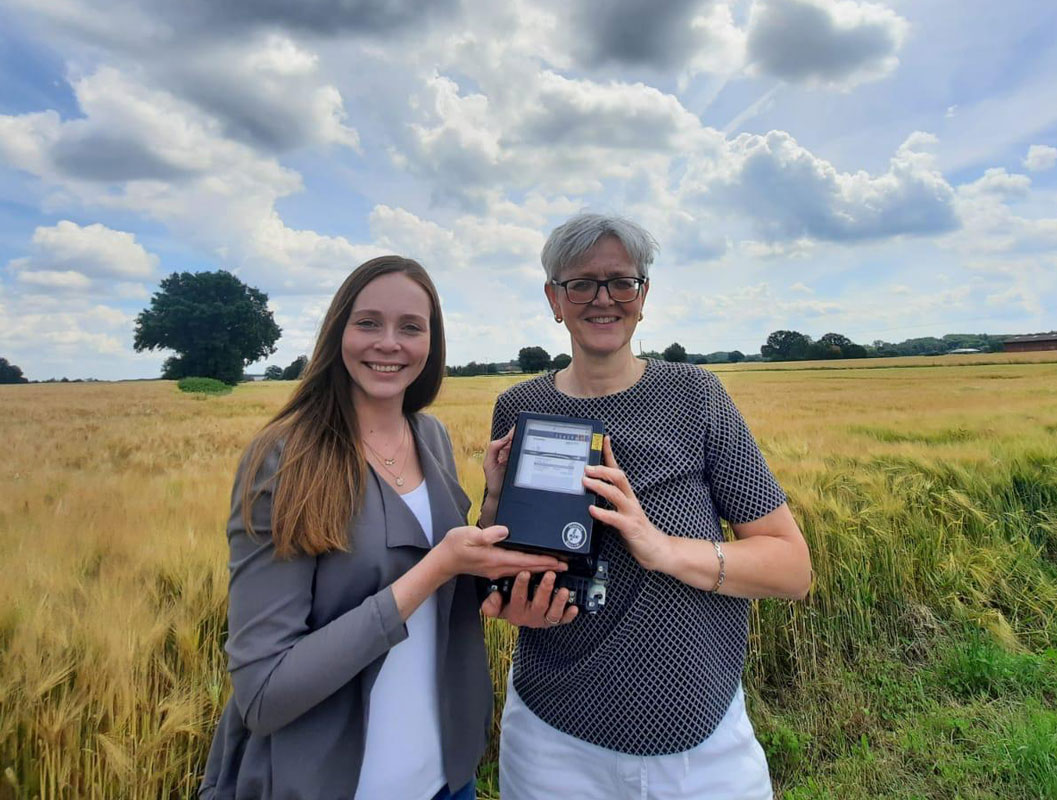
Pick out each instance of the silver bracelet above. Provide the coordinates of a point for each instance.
(722, 567)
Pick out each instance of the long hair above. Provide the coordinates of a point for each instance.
(320, 480)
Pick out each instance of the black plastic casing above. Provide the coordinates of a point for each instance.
(544, 521)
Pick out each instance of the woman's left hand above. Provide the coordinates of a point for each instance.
(546, 608)
(644, 541)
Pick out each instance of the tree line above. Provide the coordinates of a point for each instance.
(787, 345)
(216, 325)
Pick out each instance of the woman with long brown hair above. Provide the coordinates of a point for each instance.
(354, 638)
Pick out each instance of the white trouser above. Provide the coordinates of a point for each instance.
(538, 762)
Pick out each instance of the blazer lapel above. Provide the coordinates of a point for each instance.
(443, 487)
(401, 525)
(443, 490)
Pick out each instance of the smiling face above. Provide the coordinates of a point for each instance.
(386, 339)
(602, 327)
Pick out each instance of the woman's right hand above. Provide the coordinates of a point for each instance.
(495, 461)
(470, 550)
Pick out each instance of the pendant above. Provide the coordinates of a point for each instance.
(399, 480)
(389, 461)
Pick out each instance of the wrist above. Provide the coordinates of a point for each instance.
(440, 563)
(488, 510)
(664, 553)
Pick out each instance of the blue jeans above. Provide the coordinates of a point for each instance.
(467, 792)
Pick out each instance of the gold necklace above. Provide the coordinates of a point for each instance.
(388, 462)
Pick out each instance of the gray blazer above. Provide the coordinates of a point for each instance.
(307, 637)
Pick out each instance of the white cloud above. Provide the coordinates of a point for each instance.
(614, 116)
(148, 151)
(80, 253)
(991, 225)
(135, 136)
(795, 249)
(1041, 157)
(997, 183)
(266, 92)
(56, 336)
(836, 43)
(462, 146)
(685, 35)
(789, 193)
(62, 280)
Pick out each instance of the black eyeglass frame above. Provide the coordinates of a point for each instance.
(639, 283)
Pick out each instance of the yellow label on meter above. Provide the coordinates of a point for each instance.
(596, 441)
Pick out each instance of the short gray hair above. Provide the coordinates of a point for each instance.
(570, 241)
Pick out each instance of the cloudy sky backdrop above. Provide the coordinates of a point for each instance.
(884, 170)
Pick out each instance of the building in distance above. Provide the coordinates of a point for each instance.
(1031, 342)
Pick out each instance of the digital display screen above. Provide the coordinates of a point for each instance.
(553, 456)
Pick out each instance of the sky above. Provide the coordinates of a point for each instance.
(882, 170)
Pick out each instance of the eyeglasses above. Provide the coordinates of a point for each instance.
(584, 290)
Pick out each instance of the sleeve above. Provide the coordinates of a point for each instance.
(504, 415)
(280, 667)
(742, 485)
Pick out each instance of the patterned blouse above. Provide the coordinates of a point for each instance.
(654, 672)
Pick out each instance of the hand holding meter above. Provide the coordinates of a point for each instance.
(544, 504)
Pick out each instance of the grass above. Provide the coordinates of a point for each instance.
(202, 386)
(922, 665)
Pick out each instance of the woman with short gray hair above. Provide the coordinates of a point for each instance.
(643, 699)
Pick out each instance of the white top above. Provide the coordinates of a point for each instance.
(403, 755)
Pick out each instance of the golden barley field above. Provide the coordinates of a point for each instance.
(923, 664)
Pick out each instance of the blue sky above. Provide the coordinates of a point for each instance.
(883, 170)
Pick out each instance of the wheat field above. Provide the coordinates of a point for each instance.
(923, 664)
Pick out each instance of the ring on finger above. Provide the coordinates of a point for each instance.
(551, 622)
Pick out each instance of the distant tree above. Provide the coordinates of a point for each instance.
(533, 359)
(9, 373)
(675, 352)
(273, 373)
(855, 351)
(830, 345)
(297, 366)
(561, 361)
(734, 356)
(786, 346)
(215, 323)
(697, 358)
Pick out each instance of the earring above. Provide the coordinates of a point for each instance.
(558, 318)
(640, 316)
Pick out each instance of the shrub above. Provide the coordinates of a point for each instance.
(203, 386)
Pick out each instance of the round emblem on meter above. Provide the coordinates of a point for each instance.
(574, 535)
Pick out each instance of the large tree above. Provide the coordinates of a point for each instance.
(10, 373)
(831, 345)
(215, 323)
(296, 367)
(786, 346)
(675, 352)
(561, 361)
(533, 359)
